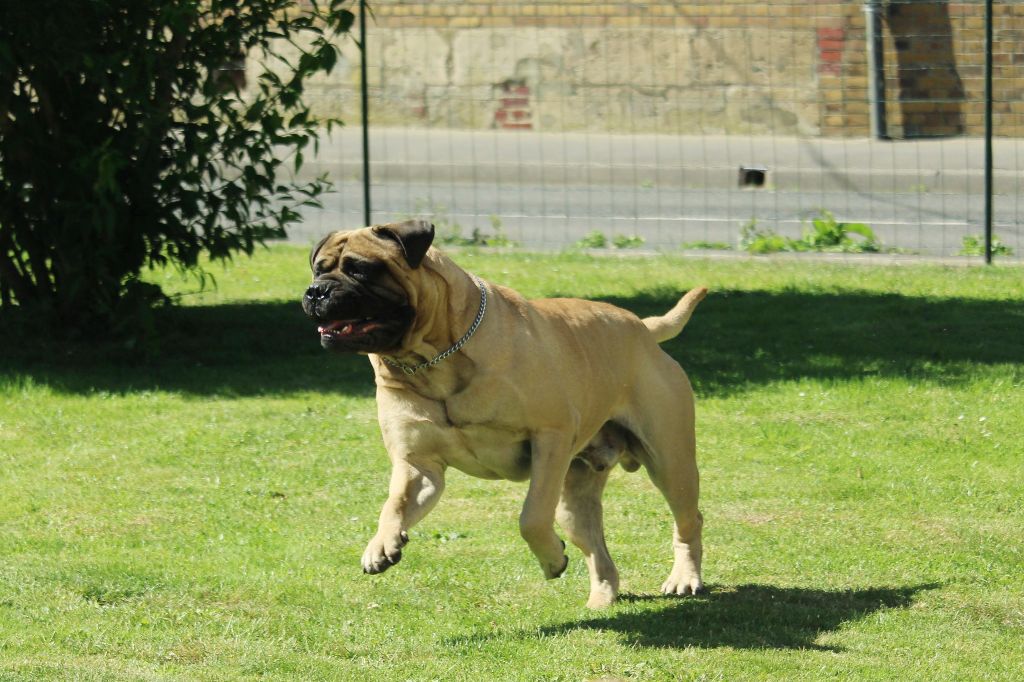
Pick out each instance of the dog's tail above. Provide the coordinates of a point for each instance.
(671, 323)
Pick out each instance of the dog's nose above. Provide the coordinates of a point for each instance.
(317, 292)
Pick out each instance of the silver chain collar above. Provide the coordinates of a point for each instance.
(412, 369)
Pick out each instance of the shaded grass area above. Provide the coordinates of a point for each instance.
(195, 509)
(739, 339)
(230, 349)
(740, 617)
(790, 335)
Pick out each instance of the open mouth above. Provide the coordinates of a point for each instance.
(349, 329)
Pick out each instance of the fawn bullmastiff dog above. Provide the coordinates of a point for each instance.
(471, 375)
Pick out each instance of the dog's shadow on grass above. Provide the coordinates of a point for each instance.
(736, 340)
(742, 617)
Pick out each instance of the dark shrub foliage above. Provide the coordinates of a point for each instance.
(126, 142)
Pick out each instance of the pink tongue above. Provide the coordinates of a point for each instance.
(337, 324)
(348, 326)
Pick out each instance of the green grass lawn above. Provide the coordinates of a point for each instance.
(197, 509)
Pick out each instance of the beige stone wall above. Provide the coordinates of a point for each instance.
(732, 66)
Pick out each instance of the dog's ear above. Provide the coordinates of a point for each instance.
(414, 236)
(316, 250)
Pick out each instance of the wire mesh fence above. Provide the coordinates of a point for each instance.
(728, 124)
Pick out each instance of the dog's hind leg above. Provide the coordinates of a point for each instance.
(580, 514)
(671, 460)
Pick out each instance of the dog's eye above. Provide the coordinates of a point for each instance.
(359, 269)
(321, 266)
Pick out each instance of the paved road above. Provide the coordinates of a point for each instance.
(547, 190)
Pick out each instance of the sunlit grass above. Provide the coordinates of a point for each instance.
(196, 508)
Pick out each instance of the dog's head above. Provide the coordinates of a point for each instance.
(363, 296)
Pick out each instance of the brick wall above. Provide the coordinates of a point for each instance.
(747, 66)
(935, 59)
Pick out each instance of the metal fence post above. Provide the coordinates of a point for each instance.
(366, 113)
(876, 69)
(988, 132)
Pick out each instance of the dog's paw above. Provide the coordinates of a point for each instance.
(383, 552)
(552, 571)
(602, 595)
(682, 584)
(551, 575)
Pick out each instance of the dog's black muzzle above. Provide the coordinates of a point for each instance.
(351, 318)
(328, 299)
(317, 296)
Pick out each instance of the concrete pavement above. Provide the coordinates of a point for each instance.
(548, 190)
(950, 165)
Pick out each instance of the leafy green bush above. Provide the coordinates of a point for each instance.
(593, 240)
(625, 241)
(757, 240)
(449, 232)
(598, 240)
(498, 237)
(825, 234)
(126, 143)
(974, 245)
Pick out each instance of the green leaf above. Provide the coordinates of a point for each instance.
(859, 228)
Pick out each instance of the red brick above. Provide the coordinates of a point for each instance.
(827, 45)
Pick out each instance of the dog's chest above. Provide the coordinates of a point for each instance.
(488, 452)
(487, 445)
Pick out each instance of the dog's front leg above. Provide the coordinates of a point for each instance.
(414, 490)
(551, 456)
